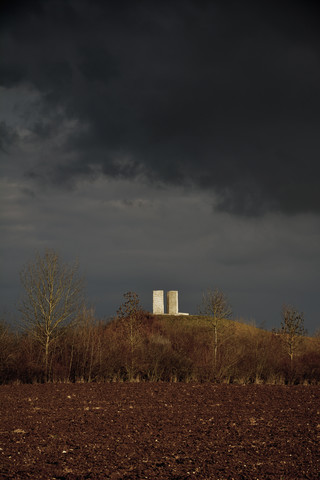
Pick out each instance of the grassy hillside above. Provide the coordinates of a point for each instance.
(161, 348)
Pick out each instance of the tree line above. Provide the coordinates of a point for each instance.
(63, 341)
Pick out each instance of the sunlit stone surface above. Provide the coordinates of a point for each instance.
(172, 302)
(158, 303)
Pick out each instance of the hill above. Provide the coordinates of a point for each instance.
(169, 348)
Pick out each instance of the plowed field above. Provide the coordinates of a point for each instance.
(159, 431)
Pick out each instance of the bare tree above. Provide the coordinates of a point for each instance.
(215, 304)
(53, 298)
(129, 315)
(7, 350)
(291, 329)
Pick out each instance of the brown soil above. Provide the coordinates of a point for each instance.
(159, 431)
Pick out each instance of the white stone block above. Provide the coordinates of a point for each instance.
(158, 302)
(172, 302)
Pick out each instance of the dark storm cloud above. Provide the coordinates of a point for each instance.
(222, 96)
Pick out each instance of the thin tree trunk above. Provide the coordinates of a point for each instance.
(71, 359)
(47, 359)
(215, 345)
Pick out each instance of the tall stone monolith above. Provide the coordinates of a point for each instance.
(158, 302)
(172, 302)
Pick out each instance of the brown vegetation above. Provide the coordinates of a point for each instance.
(145, 347)
(64, 342)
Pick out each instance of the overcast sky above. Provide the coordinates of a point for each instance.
(166, 145)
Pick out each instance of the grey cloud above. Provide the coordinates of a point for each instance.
(225, 98)
(132, 236)
(7, 137)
